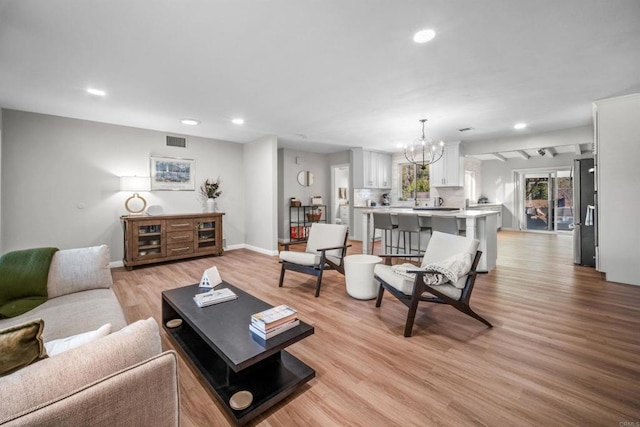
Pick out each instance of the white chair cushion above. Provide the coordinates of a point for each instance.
(304, 258)
(327, 236)
(301, 258)
(405, 285)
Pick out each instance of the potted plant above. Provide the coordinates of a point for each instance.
(210, 190)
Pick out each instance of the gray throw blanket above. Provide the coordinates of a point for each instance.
(447, 271)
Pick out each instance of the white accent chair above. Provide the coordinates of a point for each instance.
(325, 250)
(410, 288)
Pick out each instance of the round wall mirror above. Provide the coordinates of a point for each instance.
(305, 178)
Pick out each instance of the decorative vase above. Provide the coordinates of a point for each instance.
(211, 205)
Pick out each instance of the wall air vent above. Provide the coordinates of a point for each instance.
(465, 129)
(176, 141)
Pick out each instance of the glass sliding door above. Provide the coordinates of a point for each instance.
(564, 201)
(538, 200)
(545, 199)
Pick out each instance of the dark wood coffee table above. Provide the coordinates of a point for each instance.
(217, 342)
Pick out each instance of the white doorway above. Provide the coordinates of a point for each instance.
(339, 194)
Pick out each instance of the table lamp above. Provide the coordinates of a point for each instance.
(135, 184)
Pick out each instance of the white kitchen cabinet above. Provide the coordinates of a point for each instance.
(449, 170)
(371, 169)
(344, 214)
(384, 170)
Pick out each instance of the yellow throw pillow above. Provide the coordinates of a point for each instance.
(21, 345)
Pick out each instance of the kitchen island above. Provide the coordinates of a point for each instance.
(480, 224)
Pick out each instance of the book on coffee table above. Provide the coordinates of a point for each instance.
(273, 317)
(274, 331)
(214, 297)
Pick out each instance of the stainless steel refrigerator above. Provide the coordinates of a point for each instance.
(584, 213)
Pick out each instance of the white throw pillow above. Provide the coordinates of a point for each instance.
(63, 344)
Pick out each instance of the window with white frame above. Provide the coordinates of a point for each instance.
(413, 182)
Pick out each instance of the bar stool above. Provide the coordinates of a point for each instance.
(382, 221)
(445, 224)
(410, 223)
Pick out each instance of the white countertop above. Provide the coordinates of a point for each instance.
(458, 214)
(488, 205)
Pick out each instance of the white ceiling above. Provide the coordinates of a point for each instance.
(322, 75)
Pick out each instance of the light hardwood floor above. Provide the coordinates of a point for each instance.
(564, 349)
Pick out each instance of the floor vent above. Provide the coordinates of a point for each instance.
(176, 141)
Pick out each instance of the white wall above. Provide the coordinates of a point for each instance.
(260, 171)
(618, 176)
(288, 170)
(60, 184)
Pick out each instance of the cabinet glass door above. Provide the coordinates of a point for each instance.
(206, 235)
(148, 236)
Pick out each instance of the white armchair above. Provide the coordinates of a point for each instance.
(446, 276)
(325, 250)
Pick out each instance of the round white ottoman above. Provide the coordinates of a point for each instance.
(358, 276)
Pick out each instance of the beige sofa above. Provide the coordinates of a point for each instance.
(121, 379)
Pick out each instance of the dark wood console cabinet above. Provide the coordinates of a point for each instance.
(152, 239)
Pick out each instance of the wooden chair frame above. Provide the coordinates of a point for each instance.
(411, 301)
(316, 270)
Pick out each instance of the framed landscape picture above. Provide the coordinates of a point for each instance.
(168, 173)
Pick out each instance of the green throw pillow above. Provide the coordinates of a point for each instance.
(23, 280)
(21, 345)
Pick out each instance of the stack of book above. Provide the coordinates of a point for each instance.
(214, 297)
(273, 321)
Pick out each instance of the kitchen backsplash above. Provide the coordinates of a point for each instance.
(361, 195)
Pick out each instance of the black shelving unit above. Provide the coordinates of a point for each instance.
(300, 220)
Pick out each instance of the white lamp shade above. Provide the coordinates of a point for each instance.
(135, 183)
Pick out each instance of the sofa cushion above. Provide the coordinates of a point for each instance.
(47, 380)
(21, 345)
(81, 269)
(75, 313)
(63, 344)
(23, 280)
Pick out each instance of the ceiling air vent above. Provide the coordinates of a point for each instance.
(176, 141)
(465, 129)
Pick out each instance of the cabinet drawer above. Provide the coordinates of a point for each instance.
(180, 249)
(179, 237)
(179, 225)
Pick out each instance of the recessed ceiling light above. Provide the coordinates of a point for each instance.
(520, 126)
(237, 121)
(424, 36)
(190, 122)
(96, 92)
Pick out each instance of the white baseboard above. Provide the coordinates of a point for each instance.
(262, 250)
(234, 247)
(116, 264)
